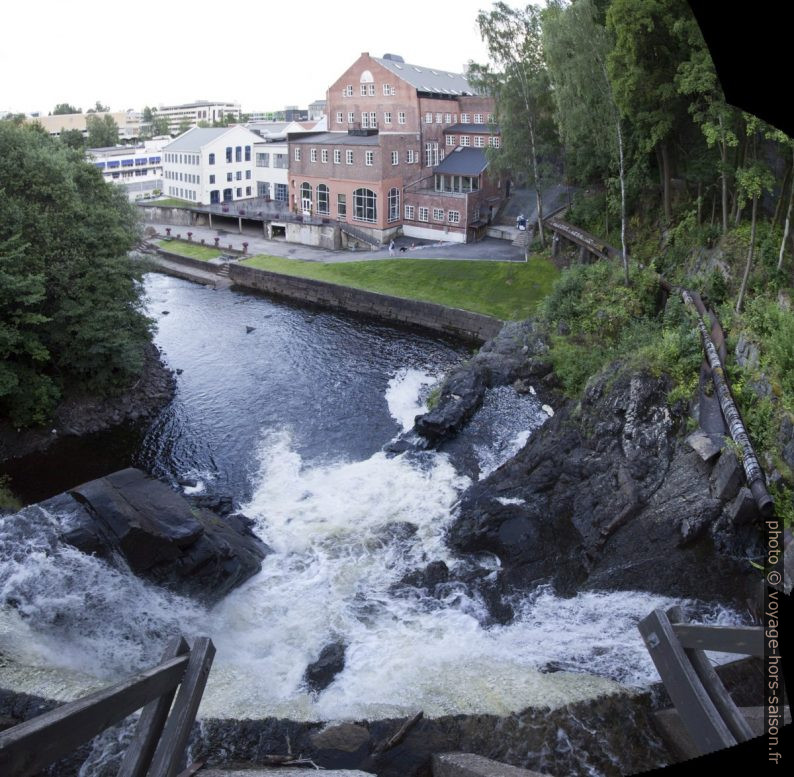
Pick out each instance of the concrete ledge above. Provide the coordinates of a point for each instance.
(437, 318)
(188, 261)
(470, 765)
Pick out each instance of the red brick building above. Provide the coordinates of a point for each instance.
(404, 152)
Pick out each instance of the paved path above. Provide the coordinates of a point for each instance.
(489, 249)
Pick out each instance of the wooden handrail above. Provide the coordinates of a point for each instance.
(748, 640)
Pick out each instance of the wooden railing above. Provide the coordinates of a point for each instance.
(706, 709)
(160, 739)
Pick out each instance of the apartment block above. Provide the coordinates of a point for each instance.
(138, 169)
(193, 113)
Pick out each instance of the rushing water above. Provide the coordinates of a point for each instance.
(290, 419)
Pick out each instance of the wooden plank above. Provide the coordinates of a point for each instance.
(29, 747)
(177, 730)
(748, 640)
(697, 711)
(150, 726)
(721, 699)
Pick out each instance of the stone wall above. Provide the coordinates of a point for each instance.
(325, 236)
(438, 318)
(176, 216)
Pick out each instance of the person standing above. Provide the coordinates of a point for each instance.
(391, 247)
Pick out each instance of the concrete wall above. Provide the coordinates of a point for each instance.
(177, 216)
(438, 318)
(313, 235)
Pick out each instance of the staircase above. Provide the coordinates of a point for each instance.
(223, 270)
(522, 238)
(359, 235)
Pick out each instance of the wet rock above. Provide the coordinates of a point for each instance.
(348, 737)
(321, 673)
(743, 508)
(746, 353)
(432, 575)
(397, 530)
(705, 445)
(249, 329)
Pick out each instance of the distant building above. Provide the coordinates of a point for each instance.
(139, 169)
(193, 113)
(316, 110)
(128, 122)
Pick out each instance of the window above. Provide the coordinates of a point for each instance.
(448, 118)
(464, 140)
(281, 161)
(348, 91)
(363, 90)
(337, 156)
(409, 212)
(478, 118)
(351, 118)
(369, 158)
(495, 141)
(490, 118)
(212, 179)
(324, 155)
(373, 119)
(248, 175)
(238, 154)
(428, 118)
(306, 196)
(387, 117)
(229, 177)
(411, 158)
(313, 155)
(263, 160)
(322, 199)
(365, 205)
(386, 90)
(439, 116)
(394, 204)
(263, 189)
(424, 214)
(229, 156)
(247, 191)
(479, 141)
(282, 192)
(438, 214)
(349, 157)
(450, 140)
(401, 117)
(339, 116)
(453, 216)
(248, 153)
(297, 155)
(431, 154)
(371, 90)
(239, 175)
(239, 192)
(365, 120)
(464, 118)
(395, 157)
(341, 206)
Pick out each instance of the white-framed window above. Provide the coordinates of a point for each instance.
(489, 118)
(495, 141)
(410, 158)
(394, 204)
(464, 140)
(386, 89)
(297, 154)
(439, 117)
(365, 205)
(337, 156)
(401, 117)
(454, 118)
(451, 140)
(351, 118)
(464, 118)
(373, 119)
(453, 216)
(313, 155)
(324, 155)
(371, 90)
(341, 206)
(479, 141)
(431, 154)
(387, 117)
(363, 90)
(348, 92)
(409, 212)
(448, 118)
(395, 157)
(438, 214)
(323, 199)
(306, 196)
(424, 214)
(428, 118)
(339, 117)
(365, 119)
(369, 158)
(349, 157)
(478, 118)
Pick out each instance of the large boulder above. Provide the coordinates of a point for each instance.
(160, 535)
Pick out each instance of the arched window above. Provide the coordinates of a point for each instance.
(365, 205)
(323, 199)
(366, 77)
(306, 197)
(394, 204)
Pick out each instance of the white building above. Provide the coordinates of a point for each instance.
(128, 122)
(193, 113)
(139, 169)
(211, 165)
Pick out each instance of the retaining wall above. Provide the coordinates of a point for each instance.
(169, 215)
(438, 318)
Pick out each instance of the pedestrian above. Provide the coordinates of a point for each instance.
(391, 247)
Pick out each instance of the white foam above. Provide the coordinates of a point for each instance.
(403, 395)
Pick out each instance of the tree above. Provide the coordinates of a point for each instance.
(63, 108)
(576, 49)
(71, 315)
(72, 138)
(184, 126)
(148, 114)
(98, 108)
(102, 131)
(521, 89)
(160, 125)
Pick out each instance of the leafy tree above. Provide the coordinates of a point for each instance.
(184, 126)
(102, 131)
(98, 108)
(148, 114)
(64, 108)
(160, 125)
(520, 86)
(70, 308)
(16, 118)
(72, 138)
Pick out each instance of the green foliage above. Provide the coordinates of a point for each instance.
(102, 131)
(64, 108)
(8, 501)
(73, 139)
(433, 397)
(70, 308)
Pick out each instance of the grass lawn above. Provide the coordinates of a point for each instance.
(506, 290)
(169, 202)
(193, 250)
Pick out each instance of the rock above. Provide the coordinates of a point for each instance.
(348, 737)
(165, 312)
(249, 329)
(397, 530)
(321, 673)
(786, 440)
(727, 476)
(428, 578)
(160, 535)
(743, 508)
(746, 353)
(705, 445)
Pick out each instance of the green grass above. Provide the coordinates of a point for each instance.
(192, 250)
(506, 290)
(169, 202)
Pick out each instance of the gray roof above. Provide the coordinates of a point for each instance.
(337, 138)
(463, 161)
(474, 129)
(195, 138)
(428, 79)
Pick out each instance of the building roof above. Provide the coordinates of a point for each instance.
(338, 138)
(474, 129)
(428, 79)
(197, 137)
(463, 161)
(197, 104)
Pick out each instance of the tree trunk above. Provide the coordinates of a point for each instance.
(724, 177)
(786, 228)
(743, 288)
(538, 195)
(700, 201)
(624, 252)
(782, 198)
(666, 194)
(713, 209)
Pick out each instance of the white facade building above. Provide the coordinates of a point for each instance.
(139, 169)
(211, 165)
(193, 113)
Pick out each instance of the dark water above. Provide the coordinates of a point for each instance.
(317, 375)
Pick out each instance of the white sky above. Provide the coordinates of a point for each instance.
(260, 53)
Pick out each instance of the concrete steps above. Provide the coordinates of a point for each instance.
(521, 240)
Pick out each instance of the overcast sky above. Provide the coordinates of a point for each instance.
(262, 54)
